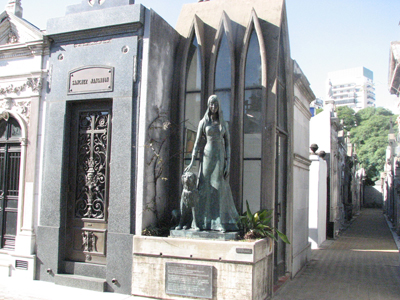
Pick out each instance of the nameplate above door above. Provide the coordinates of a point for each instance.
(91, 79)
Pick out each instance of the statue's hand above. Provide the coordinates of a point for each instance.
(187, 169)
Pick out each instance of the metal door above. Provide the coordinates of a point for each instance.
(88, 182)
(10, 159)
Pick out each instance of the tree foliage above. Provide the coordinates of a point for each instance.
(347, 114)
(369, 129)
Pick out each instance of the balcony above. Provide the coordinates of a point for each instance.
(345, 101)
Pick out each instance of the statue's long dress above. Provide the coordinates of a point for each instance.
(216, 210)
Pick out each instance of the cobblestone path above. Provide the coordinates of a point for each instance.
(363, 263)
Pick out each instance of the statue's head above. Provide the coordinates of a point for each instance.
(213, 104)
(189, 181)
(214, 107)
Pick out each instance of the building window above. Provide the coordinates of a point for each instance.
(193, 86)
(193, 96)
(253, 89)
(281, 162)
(223, 78)
(252, 124)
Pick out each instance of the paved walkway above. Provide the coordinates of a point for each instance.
(363, 263)
(11, 289)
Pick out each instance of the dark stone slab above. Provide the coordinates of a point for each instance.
(47, 252)
(119, 262)
(189, 280)
(205, 235)
(85, 269)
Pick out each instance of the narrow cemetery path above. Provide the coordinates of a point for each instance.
(363, 263)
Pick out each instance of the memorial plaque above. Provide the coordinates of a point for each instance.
(188, 280)
(244, 251)
(94, 79)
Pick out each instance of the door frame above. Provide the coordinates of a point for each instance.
(5, 114)
(90, 253)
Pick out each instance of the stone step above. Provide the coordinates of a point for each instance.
(85, 269)
(81, 282)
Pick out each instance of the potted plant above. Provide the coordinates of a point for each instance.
(258, 225)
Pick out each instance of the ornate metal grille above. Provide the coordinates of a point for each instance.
(10, 160)
(92, 165)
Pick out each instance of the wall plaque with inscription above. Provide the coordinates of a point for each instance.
(91, 79)
(244, 251)
(188, 280)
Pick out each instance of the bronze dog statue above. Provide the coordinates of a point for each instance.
(189, 201)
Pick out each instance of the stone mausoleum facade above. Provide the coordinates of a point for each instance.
(24, 52)
(117, 112)
(391, 175)
(108, 79)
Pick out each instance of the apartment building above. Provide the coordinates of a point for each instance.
(352, 87)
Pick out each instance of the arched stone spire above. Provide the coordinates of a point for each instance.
(14, 7)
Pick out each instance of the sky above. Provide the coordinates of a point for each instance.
(325, 35)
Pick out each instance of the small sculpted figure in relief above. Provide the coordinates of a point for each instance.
(92, 2)
(216, 209)
(189, 201)
(12, 38)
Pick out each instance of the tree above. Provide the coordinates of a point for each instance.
(369, 129)
(347, 114)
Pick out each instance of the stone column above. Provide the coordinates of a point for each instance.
(396, 194)
(26, 237)
(317, 201)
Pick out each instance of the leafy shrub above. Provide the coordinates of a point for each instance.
(258, 225)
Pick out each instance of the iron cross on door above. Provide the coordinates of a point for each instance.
(89, 167)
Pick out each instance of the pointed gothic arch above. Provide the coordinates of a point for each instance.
(252, 108)
(222, 67)
(193, 85)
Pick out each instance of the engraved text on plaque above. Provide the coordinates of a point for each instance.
(93, 79)
(188, 280)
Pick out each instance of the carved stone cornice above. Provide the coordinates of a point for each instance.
(29, 49)
(23, 76)
(301, 162)
(302, 108)
(23, 108)
(34, 84)
(301, 81)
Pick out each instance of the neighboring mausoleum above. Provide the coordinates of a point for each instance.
(111, 69)
(23, 55)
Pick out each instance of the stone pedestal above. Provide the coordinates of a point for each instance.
(206, 235)
(317, 201)
(239, 269)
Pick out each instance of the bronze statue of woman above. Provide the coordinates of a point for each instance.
(216, 209)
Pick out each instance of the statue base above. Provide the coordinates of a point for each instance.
(204, 235)
(233, 264)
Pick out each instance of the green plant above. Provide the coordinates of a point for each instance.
(160, 229)
(258, 225)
